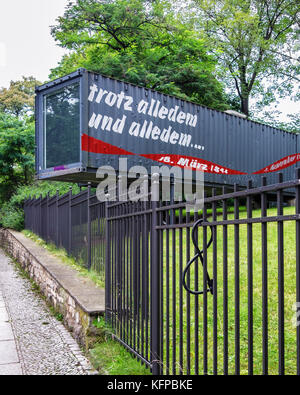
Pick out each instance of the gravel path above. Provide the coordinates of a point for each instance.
(44, 346)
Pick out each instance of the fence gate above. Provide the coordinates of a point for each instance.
(211, 292)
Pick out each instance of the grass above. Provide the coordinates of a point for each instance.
(110, 358)
(63, 256)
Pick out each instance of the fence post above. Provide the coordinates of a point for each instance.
(172, 198)
(280, 242)
(30, 214)
(41, 220)
(89, 238)
(24, 208)
(145, 256)
(70, 221)
(107, 264)
(57, 219)
(298, 268)
(264, 248)
(155, 281)
(47, 218)
(35, 217)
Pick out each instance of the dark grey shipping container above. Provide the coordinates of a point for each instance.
(86, 120)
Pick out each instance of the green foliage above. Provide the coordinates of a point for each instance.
(11, 217)
(273, 119)
(17, 143)
(255, 42)
(18, 99)
(62, 255)
(109, 357)
(16, 153)
(11, 211)
(139, 42)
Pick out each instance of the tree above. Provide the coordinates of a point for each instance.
(139, 42)
(16, 154)
(18, 99)
(255, 41)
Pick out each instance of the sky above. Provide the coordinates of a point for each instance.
(26, 45)
(28, 49)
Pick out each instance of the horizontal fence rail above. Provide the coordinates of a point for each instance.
(215, 291)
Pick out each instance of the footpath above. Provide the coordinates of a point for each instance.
(32, 340)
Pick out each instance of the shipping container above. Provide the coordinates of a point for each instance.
(86, 120)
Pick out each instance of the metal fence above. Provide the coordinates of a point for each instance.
(73, 222)
(159, 258)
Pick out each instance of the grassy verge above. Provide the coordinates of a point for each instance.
(110, 358)
(63, 256)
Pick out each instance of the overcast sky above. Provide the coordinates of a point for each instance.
(27, 48)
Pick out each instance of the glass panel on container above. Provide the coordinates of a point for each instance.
(62, 127)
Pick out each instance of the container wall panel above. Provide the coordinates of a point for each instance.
(120, 120)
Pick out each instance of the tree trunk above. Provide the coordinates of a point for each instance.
(245, 105)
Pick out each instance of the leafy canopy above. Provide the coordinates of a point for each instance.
(140, 42)
(256, 41)
(16, 153)
(18, 99)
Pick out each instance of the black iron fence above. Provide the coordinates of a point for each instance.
(209, 292)
(73, 222)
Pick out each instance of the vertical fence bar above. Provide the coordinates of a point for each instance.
(138, 276)
(225, 287)
(40, 217)
(174, 308)
(180, 296)
(146, 230)
(131, 266)
(134, 279)
(48, 219)
(250, 282)
(280, 279)
(162, 284)
(196, 303)
(215, 285)
(167, 360)
(122, 273)
(144, 267)
(155, 279)
(188, 298)
(57, 219)
(237, 283)
(205, 335)
(70, 221)
(118, 268)
(89, 230)
(264, 280)
(298, 268)
(107, 264)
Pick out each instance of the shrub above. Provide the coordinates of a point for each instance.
(11, 212)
